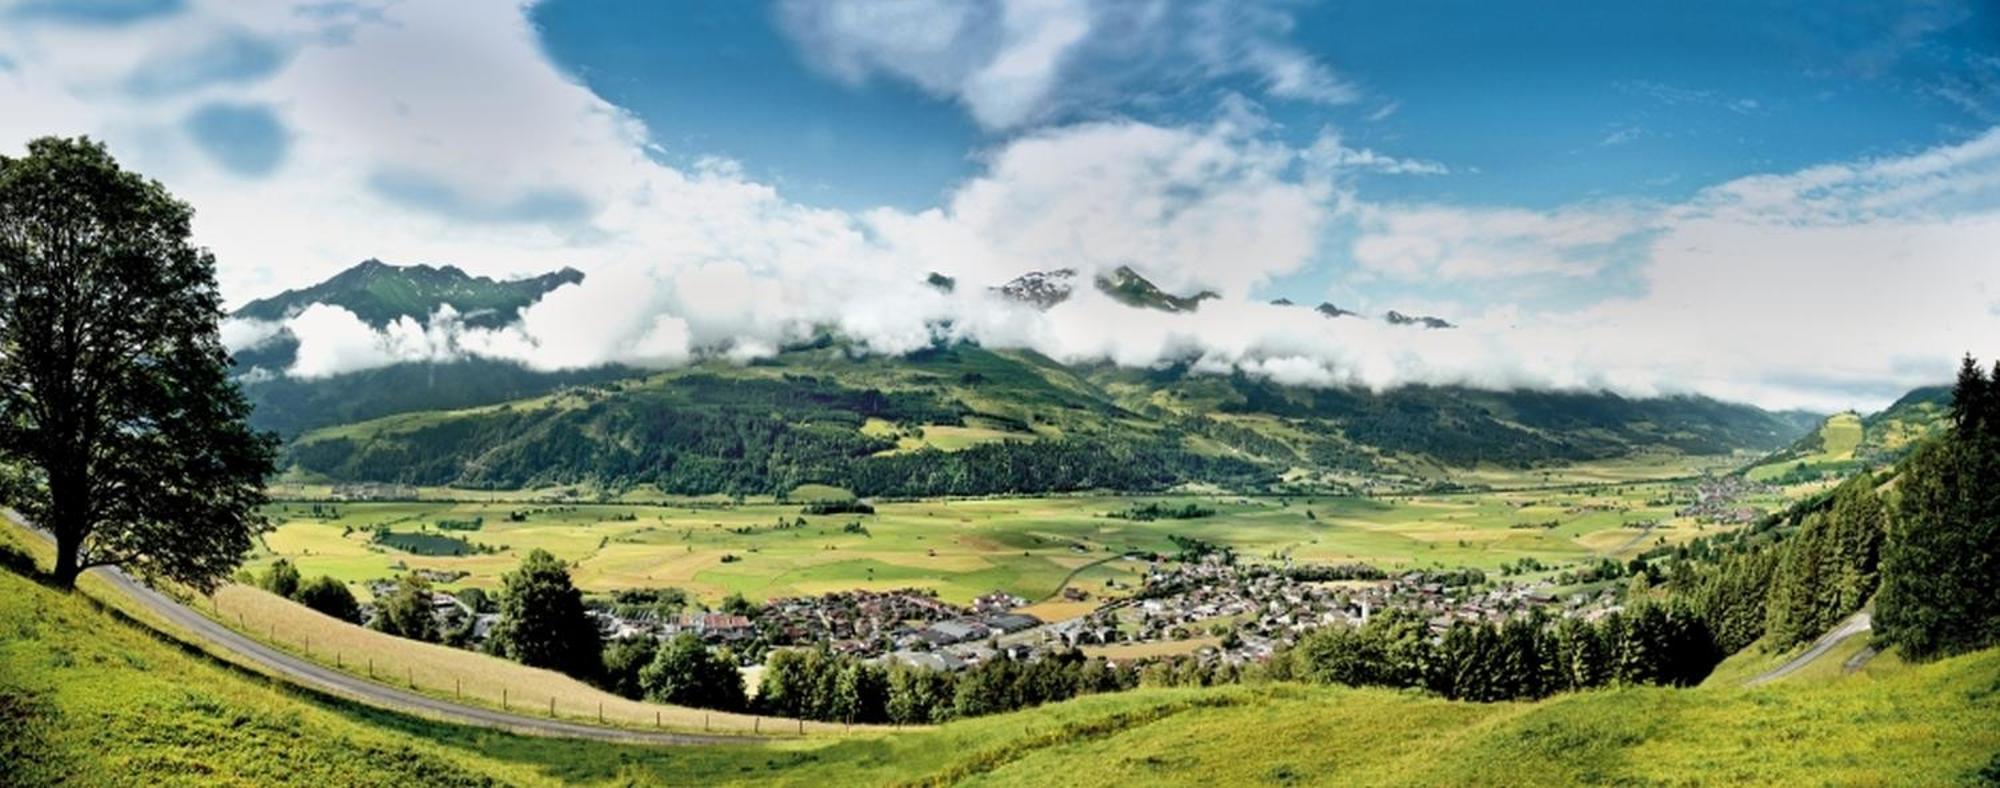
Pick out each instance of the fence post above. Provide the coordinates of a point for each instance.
(552, 705)
(756, 724)
(371, 667)
(656, 720)
(503, 698)
(600, 712)
(458, 687)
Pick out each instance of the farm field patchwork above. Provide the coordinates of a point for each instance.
(962, 548)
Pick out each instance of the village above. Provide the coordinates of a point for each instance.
(1211, 608)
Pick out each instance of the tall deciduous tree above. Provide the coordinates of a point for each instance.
(409, 611)
(542, 621)
(687, 673)
(125, 436)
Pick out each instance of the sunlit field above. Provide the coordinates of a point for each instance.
(1032, 547)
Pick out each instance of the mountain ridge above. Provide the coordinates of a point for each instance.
(955, 418)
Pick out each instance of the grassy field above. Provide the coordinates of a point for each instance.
(459, 674)
(466, 676)
(87, 698)
(964, 548)
(1838, 438)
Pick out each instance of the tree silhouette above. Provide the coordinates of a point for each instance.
(120, 430)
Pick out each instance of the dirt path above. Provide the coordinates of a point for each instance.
(1857, 624)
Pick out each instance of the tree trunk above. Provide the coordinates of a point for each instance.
(66, 570)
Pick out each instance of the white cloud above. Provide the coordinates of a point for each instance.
(1455, 243)
(438, 131)
(1013, 64)
(1191, 208)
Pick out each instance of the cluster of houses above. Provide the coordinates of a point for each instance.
(1240, 612)
(450, 612)
(908, 623)
(1258, 608)
(1717, 499)
(372, 491)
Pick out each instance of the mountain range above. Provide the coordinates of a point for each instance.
(957, 418)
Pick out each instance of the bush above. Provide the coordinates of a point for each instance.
(330, 597)
(282, 579)
(624, 661)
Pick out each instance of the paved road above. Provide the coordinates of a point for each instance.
(1856, 624)
(312, 675)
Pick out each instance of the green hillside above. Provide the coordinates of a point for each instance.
(1899, 427)
(88, 698)
(1847, 441)
(965, 420)
(379, 293)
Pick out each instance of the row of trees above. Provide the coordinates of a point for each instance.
(1827, 570)
(818, 685)
(1522, 658)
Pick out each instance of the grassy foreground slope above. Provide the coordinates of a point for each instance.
(92, 699)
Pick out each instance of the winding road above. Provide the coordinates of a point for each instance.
(1859, 623)
(312, 675)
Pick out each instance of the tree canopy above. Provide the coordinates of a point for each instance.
(1941, 561)
(542, 620)
(120, 430)
(687, 673)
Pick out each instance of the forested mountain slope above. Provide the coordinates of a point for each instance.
(951, 419)
(966, 420)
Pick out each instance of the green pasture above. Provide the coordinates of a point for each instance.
(964, 548)
(93, 699)
(1838, 438)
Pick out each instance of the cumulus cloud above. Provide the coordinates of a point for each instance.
(1192, 208)
(1012, 64)
(439, 131)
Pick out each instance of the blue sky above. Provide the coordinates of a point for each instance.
(1787, 203)
(1574, 101)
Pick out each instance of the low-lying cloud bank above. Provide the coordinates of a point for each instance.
(438, 131)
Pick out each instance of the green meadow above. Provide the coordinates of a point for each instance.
(962, 547)
(1838, 437)
(87, 697)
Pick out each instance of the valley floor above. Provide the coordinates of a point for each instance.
(88, 697)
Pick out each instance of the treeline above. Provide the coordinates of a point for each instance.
(1941, 561)
(1043, 466)
(1926, 557)
(1519, 429)
(815, 684)
(1522, 659)
(1154, 510)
